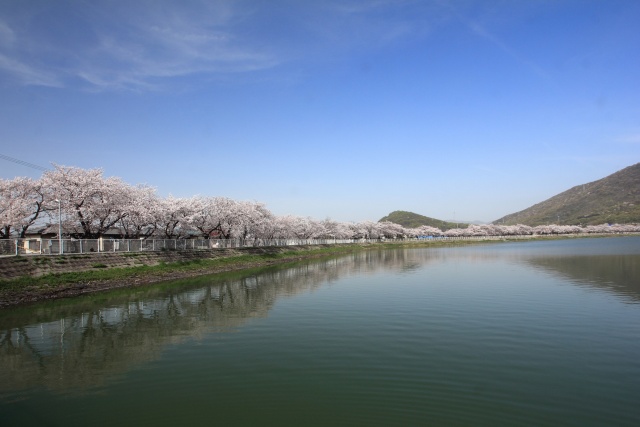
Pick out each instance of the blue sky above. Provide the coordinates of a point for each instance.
(466, 110)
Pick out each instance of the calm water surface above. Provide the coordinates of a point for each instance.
(529, 333)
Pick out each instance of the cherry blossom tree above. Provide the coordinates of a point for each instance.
(390, 230)
(200, 218)
(369, 229)
(255, 219)
(425, 230)
(343, 231)
(272, 228)
(225, 216)
(173, 217)
(141, 206)
(92, 204)
(292, 226)
(521, 230)
(454, 232)
(335, 230)
(6, 210)
(22, 201)
(357, 230)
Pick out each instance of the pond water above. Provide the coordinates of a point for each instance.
(527, 333)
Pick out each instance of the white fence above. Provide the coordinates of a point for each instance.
(83, 246)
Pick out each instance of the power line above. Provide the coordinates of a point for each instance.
(22, 162)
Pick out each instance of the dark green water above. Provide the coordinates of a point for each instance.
(531, 333)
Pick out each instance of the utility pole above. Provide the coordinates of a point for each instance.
(60, 248)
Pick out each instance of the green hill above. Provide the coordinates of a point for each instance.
(614, 199)
(413, 220)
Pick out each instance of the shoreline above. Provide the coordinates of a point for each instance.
(43, 292)
(131, 271)
(164, 267)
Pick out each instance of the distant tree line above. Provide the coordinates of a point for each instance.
(90, 205)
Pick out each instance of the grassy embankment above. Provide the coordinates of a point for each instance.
(29, 288)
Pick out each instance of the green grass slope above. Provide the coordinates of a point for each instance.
(614, 199)
(413, 220)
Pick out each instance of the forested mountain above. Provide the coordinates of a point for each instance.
(413, 220)
(614, 199)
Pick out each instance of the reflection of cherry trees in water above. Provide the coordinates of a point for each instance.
(83, 343)
(91, 205)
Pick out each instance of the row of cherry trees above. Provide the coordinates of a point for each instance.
(540, 230)
(91, 204)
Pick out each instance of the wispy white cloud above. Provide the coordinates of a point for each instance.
(7, 36)
(145, 44)
(27, 74)
(358, 23)
(165, 52)
(19, 70)
(350, 7)
(480, 29)
(513, 53)
(113, 46)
